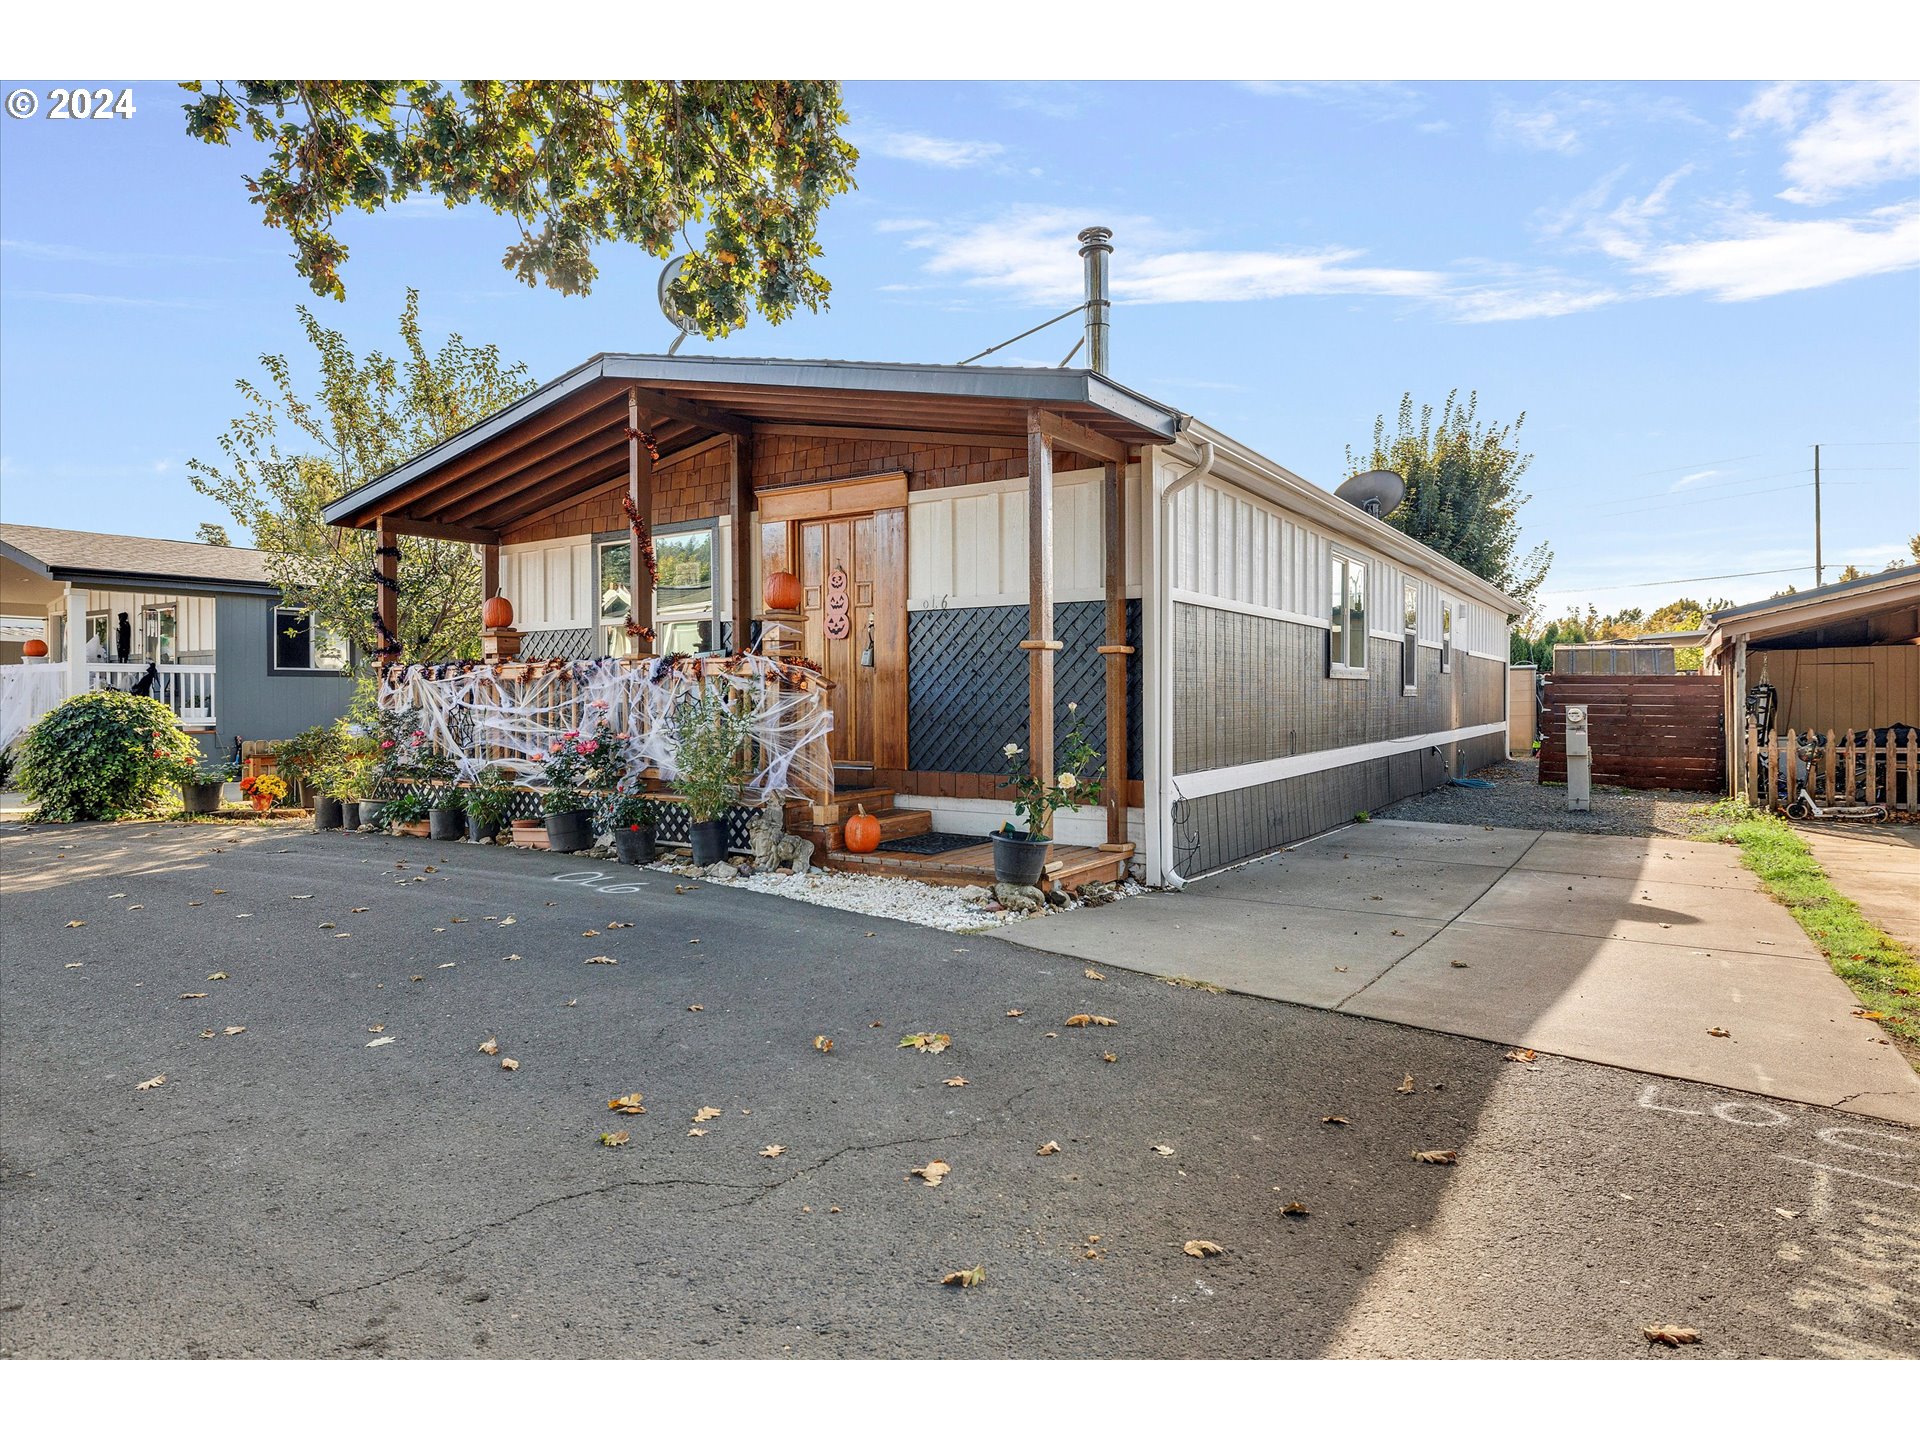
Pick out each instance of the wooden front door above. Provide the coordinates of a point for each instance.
(847, 542)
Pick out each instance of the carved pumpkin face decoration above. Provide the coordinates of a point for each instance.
(839, 622)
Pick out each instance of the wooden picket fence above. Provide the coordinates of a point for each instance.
(1835, 769)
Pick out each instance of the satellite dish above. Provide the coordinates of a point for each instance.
(1378, 492)
(678, 318)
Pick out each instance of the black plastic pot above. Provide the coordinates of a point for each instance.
(709, 839)
(200, 797)
(326, 813)
(1019, 859)
(445, 824)
(369, 813)
(350, 814)
(635, 845)
(477, 832)
(569, 830)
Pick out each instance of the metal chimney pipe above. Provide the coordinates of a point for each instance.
(1094, 250)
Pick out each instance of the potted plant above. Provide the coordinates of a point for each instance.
(635, 820)
(200, 788)
(1020, 856)
(263, 791)
(406, 813)
(569, 815)
(487, 804)
(447, 818)
(710, 766)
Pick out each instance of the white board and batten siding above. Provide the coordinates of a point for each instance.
(194, 638)
(1235, 551)
(967, 544)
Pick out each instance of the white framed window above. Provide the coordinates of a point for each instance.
(1409, 637)
(1446, 637)
(1347, 639)
(298, 644)
(683, 600)
(160, 633)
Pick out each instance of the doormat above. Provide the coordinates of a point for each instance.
(931, 843)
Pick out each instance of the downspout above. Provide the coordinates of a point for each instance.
(1165, 793)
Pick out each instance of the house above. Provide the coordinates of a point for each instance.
(234, 659)
(977, 549)
(1838, 667)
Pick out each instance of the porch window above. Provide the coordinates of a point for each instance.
(1347, 641)
(683, 602)
(298, 644)
(1446, 637)
(1409, 637)
(160, 633)
(100, 633)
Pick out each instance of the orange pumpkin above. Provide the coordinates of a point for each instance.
(34, 649)
(497, 613)
(782, 591)
(863, 832)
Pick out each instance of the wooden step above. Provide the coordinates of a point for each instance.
(846, 802)
(894, 825)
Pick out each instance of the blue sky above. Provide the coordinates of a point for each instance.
(1683, 286)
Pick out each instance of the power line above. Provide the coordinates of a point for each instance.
(1683, 580)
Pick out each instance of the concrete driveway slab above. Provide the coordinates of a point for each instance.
(1370, 884)
(1656, 911)
(1791, 1029)
(1462, 844)
(1631, 858)
(1613, 949)
(1311, 957)
(1877, 868)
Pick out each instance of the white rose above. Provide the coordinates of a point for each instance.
(1011, 751)
(1067, 782)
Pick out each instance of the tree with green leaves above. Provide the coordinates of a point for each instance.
(290, 455)
(210, 533)
(1463, 489)
(749, 164)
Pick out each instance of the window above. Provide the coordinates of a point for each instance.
(299, 645)
(1347, 642)
(99, 641)
(683, 604)
(1446, 637)
(1409, 637)
(160, 633)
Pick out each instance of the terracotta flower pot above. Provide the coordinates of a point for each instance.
(261, 803)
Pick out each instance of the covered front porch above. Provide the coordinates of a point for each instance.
(954, 552)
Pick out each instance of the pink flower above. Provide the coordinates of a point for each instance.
(622, 736)
(571, 735)
(419, 734)
(587, 747)
(555, 750)
(386, 744)
(597, 705)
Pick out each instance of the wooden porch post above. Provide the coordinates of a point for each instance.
(489, 572)
(1113, 506)
(740, 513)
(1039, 644)
(386, 596)
(640, 492)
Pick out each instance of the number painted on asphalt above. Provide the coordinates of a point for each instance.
(589, 877)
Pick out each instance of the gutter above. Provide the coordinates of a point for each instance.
(1165, 791)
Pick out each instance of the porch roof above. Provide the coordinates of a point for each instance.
(569, 437)
(1882, 609)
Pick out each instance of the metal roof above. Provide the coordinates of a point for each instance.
(87, 555)
(1894, 578)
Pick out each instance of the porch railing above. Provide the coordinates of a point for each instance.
(187, 690)
(1860, 767)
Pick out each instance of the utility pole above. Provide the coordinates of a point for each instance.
(1819, 570)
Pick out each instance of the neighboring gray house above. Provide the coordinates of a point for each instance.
(235, 660)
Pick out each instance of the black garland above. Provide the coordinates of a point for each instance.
(643, 543)
(389, 642)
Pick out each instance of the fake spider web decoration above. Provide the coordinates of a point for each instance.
(478, 716)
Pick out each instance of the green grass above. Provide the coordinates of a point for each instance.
(1882, 975)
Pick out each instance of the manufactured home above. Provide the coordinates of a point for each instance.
(233, 659)
(978, 549)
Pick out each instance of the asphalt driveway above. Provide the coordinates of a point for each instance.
(294, 1188)
(1624, 950)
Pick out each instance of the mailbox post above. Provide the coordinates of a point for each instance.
(1579, 760)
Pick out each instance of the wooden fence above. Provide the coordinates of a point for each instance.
(1649, 732)
(1863, 767)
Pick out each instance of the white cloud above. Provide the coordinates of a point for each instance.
(1695, 478)
(1762, 256)
(1370, 99)
(921, 149)
(1868, 135)
(1544, 129)
(84, 297)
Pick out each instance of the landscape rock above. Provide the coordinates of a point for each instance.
(1023, 898)
(720, 870)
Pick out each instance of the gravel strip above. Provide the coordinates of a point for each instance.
(1518, 799)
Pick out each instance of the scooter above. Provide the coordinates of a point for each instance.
(1805, 807)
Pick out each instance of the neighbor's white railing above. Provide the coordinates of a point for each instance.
(26, 693)
(187, 690)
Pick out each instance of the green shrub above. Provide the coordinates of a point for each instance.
(490, 798)
(710, 764)
(106, 754)
(407, 809)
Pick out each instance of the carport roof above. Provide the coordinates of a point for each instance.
(569, 436)
(1881, 609)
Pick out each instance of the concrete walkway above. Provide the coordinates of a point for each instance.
(1878, 868)
(1616, 949)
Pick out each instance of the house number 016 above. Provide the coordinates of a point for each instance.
(591, 879)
